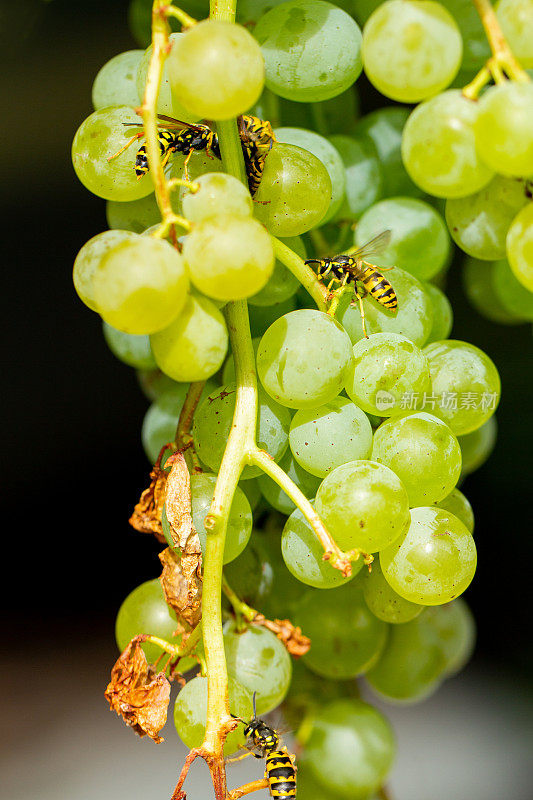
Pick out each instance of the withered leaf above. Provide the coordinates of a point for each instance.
(146, 517)
(292, 637)
(136, 694)
(182, 586)
(178, 506)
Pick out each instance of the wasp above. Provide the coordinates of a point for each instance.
(352, 268)
(257, 139)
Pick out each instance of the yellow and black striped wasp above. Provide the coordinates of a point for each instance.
(352, 268)
(257, 139)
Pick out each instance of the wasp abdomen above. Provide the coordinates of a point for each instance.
(379, 288)
(281, 774)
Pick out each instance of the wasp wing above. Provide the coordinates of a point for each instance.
(373, 247)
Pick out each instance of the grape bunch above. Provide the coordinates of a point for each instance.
(207, 286)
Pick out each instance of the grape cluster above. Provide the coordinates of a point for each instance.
(377, 432)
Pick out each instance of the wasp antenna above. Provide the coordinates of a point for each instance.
(253, 704)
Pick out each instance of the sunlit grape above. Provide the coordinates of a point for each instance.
(217, 194)
(457, 504)
(520, 246)
(116, 82)
(88, 260)
(442, 314)
(383, 601)
(504, 128)
(516, 20)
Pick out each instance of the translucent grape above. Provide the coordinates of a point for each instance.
(427, 49)
(433, 561)
(504, 128)
(419, 240)
(282, 284)
(465, 385)
(383, 601)
(457, 504)
(520, 246)
(136, 216)
(295, 191)
(363, 175)
(240, 516)
(516, 21)
(303, 359)
(347, 639)
(116, 82)
(193, 347)
(258, 660)
(312, 50)
(166, 103)
(478, 281)
(98, 138)
(132, 350)
(218, 193)
(262, 317)
(213, 420)
(325, 437)
(514, 297)
(363, 505)
(216, 70)
(423, 452)
(439, 149)
(88, 260)
(442, 314)
(277, 498)
(477, 446)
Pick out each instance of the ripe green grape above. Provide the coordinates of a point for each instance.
(251, 574)
(153, 382)
(240, 517)
(426, 54)
(346, 637)
(303, 359)
(193, 347)
(145, 611)
(516, 20)
(387, 368)
(214, 418)
(295, 191)
(477, 446)
(433, 561)
(98, 138)
(520, 246)
(88, 260)
(216, 70)
(327, 154)
(308, 786)
(259, 661)
(423, 452)
(136, 216)
(465, 385)
(383, 601)
(282, 284)
(325, 437)
(442, 314)
(217, 193)
(277, 498)
(479, 223)
(504, 128)
(438, 146)
(312, 50)
(190, 713)
(229, 257)
(479, 286)
(166, 103)
(262, 317)
(286, 591)
(351, 748)
(303, 555)
(363, 504)
(419, 240)
(363, 175)
(116, 82)
(514, 297)
(458, 505)
(129, 348)
(140, 285)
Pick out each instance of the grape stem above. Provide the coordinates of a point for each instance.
(248, 788)
(240, 608)
(183, 439)
(175, 650)
(302, 272)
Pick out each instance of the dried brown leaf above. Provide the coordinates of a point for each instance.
(136, 694)
(182, 586)
(292, 637)
(178, 506)
(146, 517)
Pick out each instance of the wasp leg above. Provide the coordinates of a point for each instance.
(133, 139)
(333, 300)
(186, 165)
(360, 301)
(381, 269)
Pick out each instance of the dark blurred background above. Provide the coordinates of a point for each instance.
(72, 461)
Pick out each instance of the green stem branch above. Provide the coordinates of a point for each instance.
(303, 272)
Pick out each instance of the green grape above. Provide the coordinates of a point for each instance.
(262, 317)
(228, 373)
(229, 257)
(385, 127)
(439, 149)
(504, 128)
(303, 359)
(258, 660)
(131, 349)
(363, 175)
(190, 713)
(479, 223)
(193, 347)
(295, 191)
(346, 638)
(465, 385)
(516, 21)
(166, 103)
(308, 787)
(140, 17)
(282, 284)
(442, 314)
(364, 505)
(216, 70)
(388, 370)
(383, 601)
(351, 748)
(413, 319)
(99, 138)
(251, 574)
(457, 504)
(140, 285)
(327, 154)
(116, 82)
(277, 498)
(477, 446)
(145, 611)
(303, 555)
(325, 437)
(426, 54)
(250, 11)
(514, 297)
(153, 382)
(312, 50)
(419, 240)
(217, 193)
(253, 492)
(200, 164)
(286, 590)
(240, 517)
(88, 260)
(520, 246)
(423, 452)
(479, 286)
(214, 418)
(433, 561)
(136, 216)
(459, 628)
